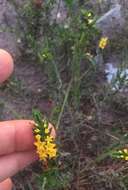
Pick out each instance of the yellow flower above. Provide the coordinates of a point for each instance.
(45, 149)
(46, 131)
(103, 42)
(89, 14)
(51, 150)
(41, 150)
(123, 154)
(52, 153)
(120, 151)
(44, 142)
(38, 137)
(45, 124)
(36, 130)
(90, 21)
(125, 151)
(42, 153)
(49, 139)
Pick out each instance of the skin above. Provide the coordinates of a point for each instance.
(6, 184)
(6, 65)
(16, 147)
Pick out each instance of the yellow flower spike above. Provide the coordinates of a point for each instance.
(44, 142)
(103, 42)
(45, 149)
(126, 158)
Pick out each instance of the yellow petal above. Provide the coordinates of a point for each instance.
(36, 130)
(125, 151)
(46, 131)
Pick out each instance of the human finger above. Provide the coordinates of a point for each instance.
(6, 184)
(17, 136)
(12, 163)
(6, 65)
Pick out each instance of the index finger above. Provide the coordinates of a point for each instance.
(17, 135)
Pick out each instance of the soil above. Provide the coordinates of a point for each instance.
(26, 90)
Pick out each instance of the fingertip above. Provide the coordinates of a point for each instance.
(13, 163)
(53, 131)
(6, 184)
(6, 65)
(18, 135)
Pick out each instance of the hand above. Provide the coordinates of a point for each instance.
(16, 147)
(16, 137)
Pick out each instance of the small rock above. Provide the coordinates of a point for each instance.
(117, 77)
(112, 22)
(59, 12)
(111, 72)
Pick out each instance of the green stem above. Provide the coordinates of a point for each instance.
(64, 103)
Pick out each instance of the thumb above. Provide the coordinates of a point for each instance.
(6, 65)
(6, 184)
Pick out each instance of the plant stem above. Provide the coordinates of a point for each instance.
(64, 103)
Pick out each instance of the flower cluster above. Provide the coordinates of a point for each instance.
(44, 142)
(90, 19)
(123, 154)
(103, 42)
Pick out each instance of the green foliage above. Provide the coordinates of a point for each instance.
(37, 117)
(41, 123)
(69, 2)
(121, 80)
(61, 44)
(32, 18)
(53, 179)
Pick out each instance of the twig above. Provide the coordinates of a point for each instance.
(64, 103)
(58, 75)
